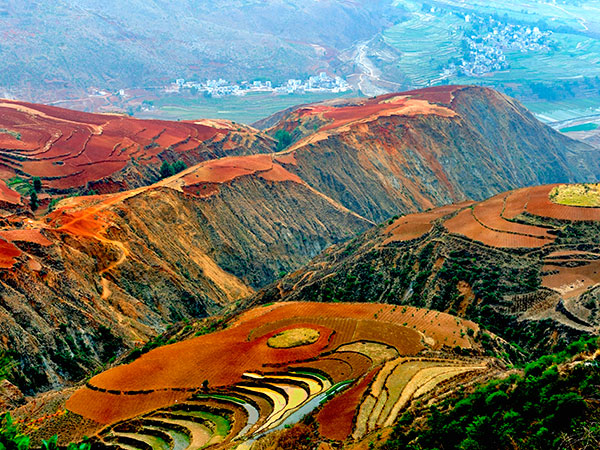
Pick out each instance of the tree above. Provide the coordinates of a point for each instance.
(284, 139)
(179, 166)
(37, 184)
(166, 170)
(33, 200)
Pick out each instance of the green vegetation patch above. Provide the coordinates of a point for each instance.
(294, 338)
(12, 133)
(581, 127)
(587, 195)
(547, 405)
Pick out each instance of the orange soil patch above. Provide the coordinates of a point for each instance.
(187, 364)
(227, 169)
(34, 236)
(571, 282)
(286, 158)
(8, 195)
(373, 109)
(489, 213)
(104, 407)
(414, 226)
(337, 416)
(538, 203)
(465, 224)
(8, 254)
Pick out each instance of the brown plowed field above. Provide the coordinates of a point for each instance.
(572, 281)
(465, 224)
(538, 203)
(414, 226)
(489, 213)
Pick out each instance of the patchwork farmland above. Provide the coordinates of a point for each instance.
(72, 150)
(373, 359)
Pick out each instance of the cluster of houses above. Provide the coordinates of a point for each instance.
(221, 87)
(488, 46)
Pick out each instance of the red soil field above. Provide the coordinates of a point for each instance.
(187, 364)
(25, 235)
(571, 282)
(414, 226)
(68, 149)
(539, 204)
(489, 213)
(8, 195)
(465, 224)
(398, 105)
(515, 203)
(99, 405)
(227, 169)
(337, 416)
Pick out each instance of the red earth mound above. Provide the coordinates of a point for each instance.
(243, 348)
(68, 149)
(403, 104)
(228, 169)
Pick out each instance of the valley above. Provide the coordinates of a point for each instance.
(393, 253)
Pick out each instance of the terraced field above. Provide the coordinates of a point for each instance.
(233, 387)
(70, 149)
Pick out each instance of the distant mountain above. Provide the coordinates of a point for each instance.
(83, 278)
(54, 50)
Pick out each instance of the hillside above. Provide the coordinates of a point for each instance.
(99, 273)
(69, 49)
(90, 276)
(74, 152)
(524, 263)
(411, 151)
(278, 363)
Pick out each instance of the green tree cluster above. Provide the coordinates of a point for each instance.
(167, 169)
(539, 408)
(284, 139)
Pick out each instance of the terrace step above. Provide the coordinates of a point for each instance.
(199, 434)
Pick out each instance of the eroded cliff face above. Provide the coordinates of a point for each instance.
(428, 148)
(114, 270)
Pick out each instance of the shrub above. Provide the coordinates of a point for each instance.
(10, 437)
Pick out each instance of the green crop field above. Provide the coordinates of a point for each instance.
(580, 127)
(247, 109)
(431, 44)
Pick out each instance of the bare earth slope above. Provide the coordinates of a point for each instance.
(136, 260)
(409, 151)
(73, 151)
